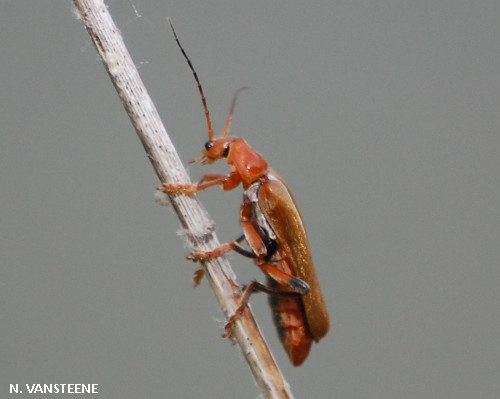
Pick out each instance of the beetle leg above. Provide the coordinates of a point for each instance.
(244, 252)
(228, 182)
(252, 236)
(239, 311)
(287, 286)
(286, 282)
(169, 188)
(254, 239)
(198, 256)
(198, 274)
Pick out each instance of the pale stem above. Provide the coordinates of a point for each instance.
(193, 217)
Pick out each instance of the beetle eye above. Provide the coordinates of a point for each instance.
(209, 144)
(226, 151)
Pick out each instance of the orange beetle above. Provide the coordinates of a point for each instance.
(273, 228)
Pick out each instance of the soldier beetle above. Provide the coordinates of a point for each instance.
(273, 228)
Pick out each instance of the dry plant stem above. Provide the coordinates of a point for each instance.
(194, 219)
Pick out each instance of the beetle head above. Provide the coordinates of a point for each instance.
(217, 148)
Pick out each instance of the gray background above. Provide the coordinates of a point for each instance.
(383, 116)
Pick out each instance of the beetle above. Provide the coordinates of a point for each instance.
(273, 228)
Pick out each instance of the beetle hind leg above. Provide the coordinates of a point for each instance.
(285, 286)
(247, 291)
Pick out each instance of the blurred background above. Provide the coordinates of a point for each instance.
(382, 116)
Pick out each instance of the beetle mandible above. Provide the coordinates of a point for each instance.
(273, 228)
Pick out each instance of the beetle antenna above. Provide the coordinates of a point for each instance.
(203, 99)
(225, 131)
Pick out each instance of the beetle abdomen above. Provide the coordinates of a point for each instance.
(288, 316)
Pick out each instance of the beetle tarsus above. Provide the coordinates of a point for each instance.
(169, 188)
(232, 320)
(199, 256)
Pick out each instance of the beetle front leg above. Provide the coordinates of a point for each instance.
(228, 182)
